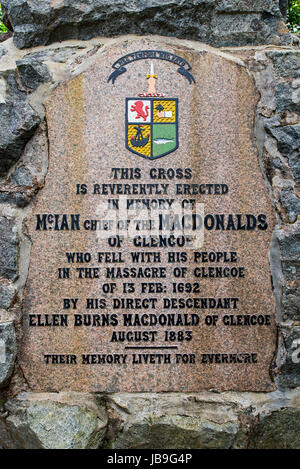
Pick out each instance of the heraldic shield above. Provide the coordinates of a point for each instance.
(151, 126)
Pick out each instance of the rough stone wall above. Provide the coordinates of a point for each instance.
(173, 420)
(277, 75)
(216, 22)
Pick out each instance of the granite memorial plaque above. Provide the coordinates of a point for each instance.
(149, 267)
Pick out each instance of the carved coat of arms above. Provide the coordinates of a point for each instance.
(151, 122)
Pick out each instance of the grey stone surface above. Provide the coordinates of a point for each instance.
(33, 68)
(278, 430)
(286, 63)
(21, 200)
(204, 420)
(288, 99)
(22, 177)
(289, 243)
(8, 248)
(291, 270)
(5, 36)
(277, 163)
(60, 55)
(177, 421)
(291, 203)
(276, 75)
(289, 376)
(2, 51)
(18, 199)
(44, 423)
(291, 302)
(33, 72)
(287, 138)
(7, 294)
(288, 143)
(42, 22)
(18, 123)
(283, 4)
(28, 176)
(238, 28)
(171, 422)
(8, 351)
(244, 5)
(34, 159)
(177, 432)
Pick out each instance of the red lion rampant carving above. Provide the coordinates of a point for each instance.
(140, 112)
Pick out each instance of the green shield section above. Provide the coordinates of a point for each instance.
(164, 139)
